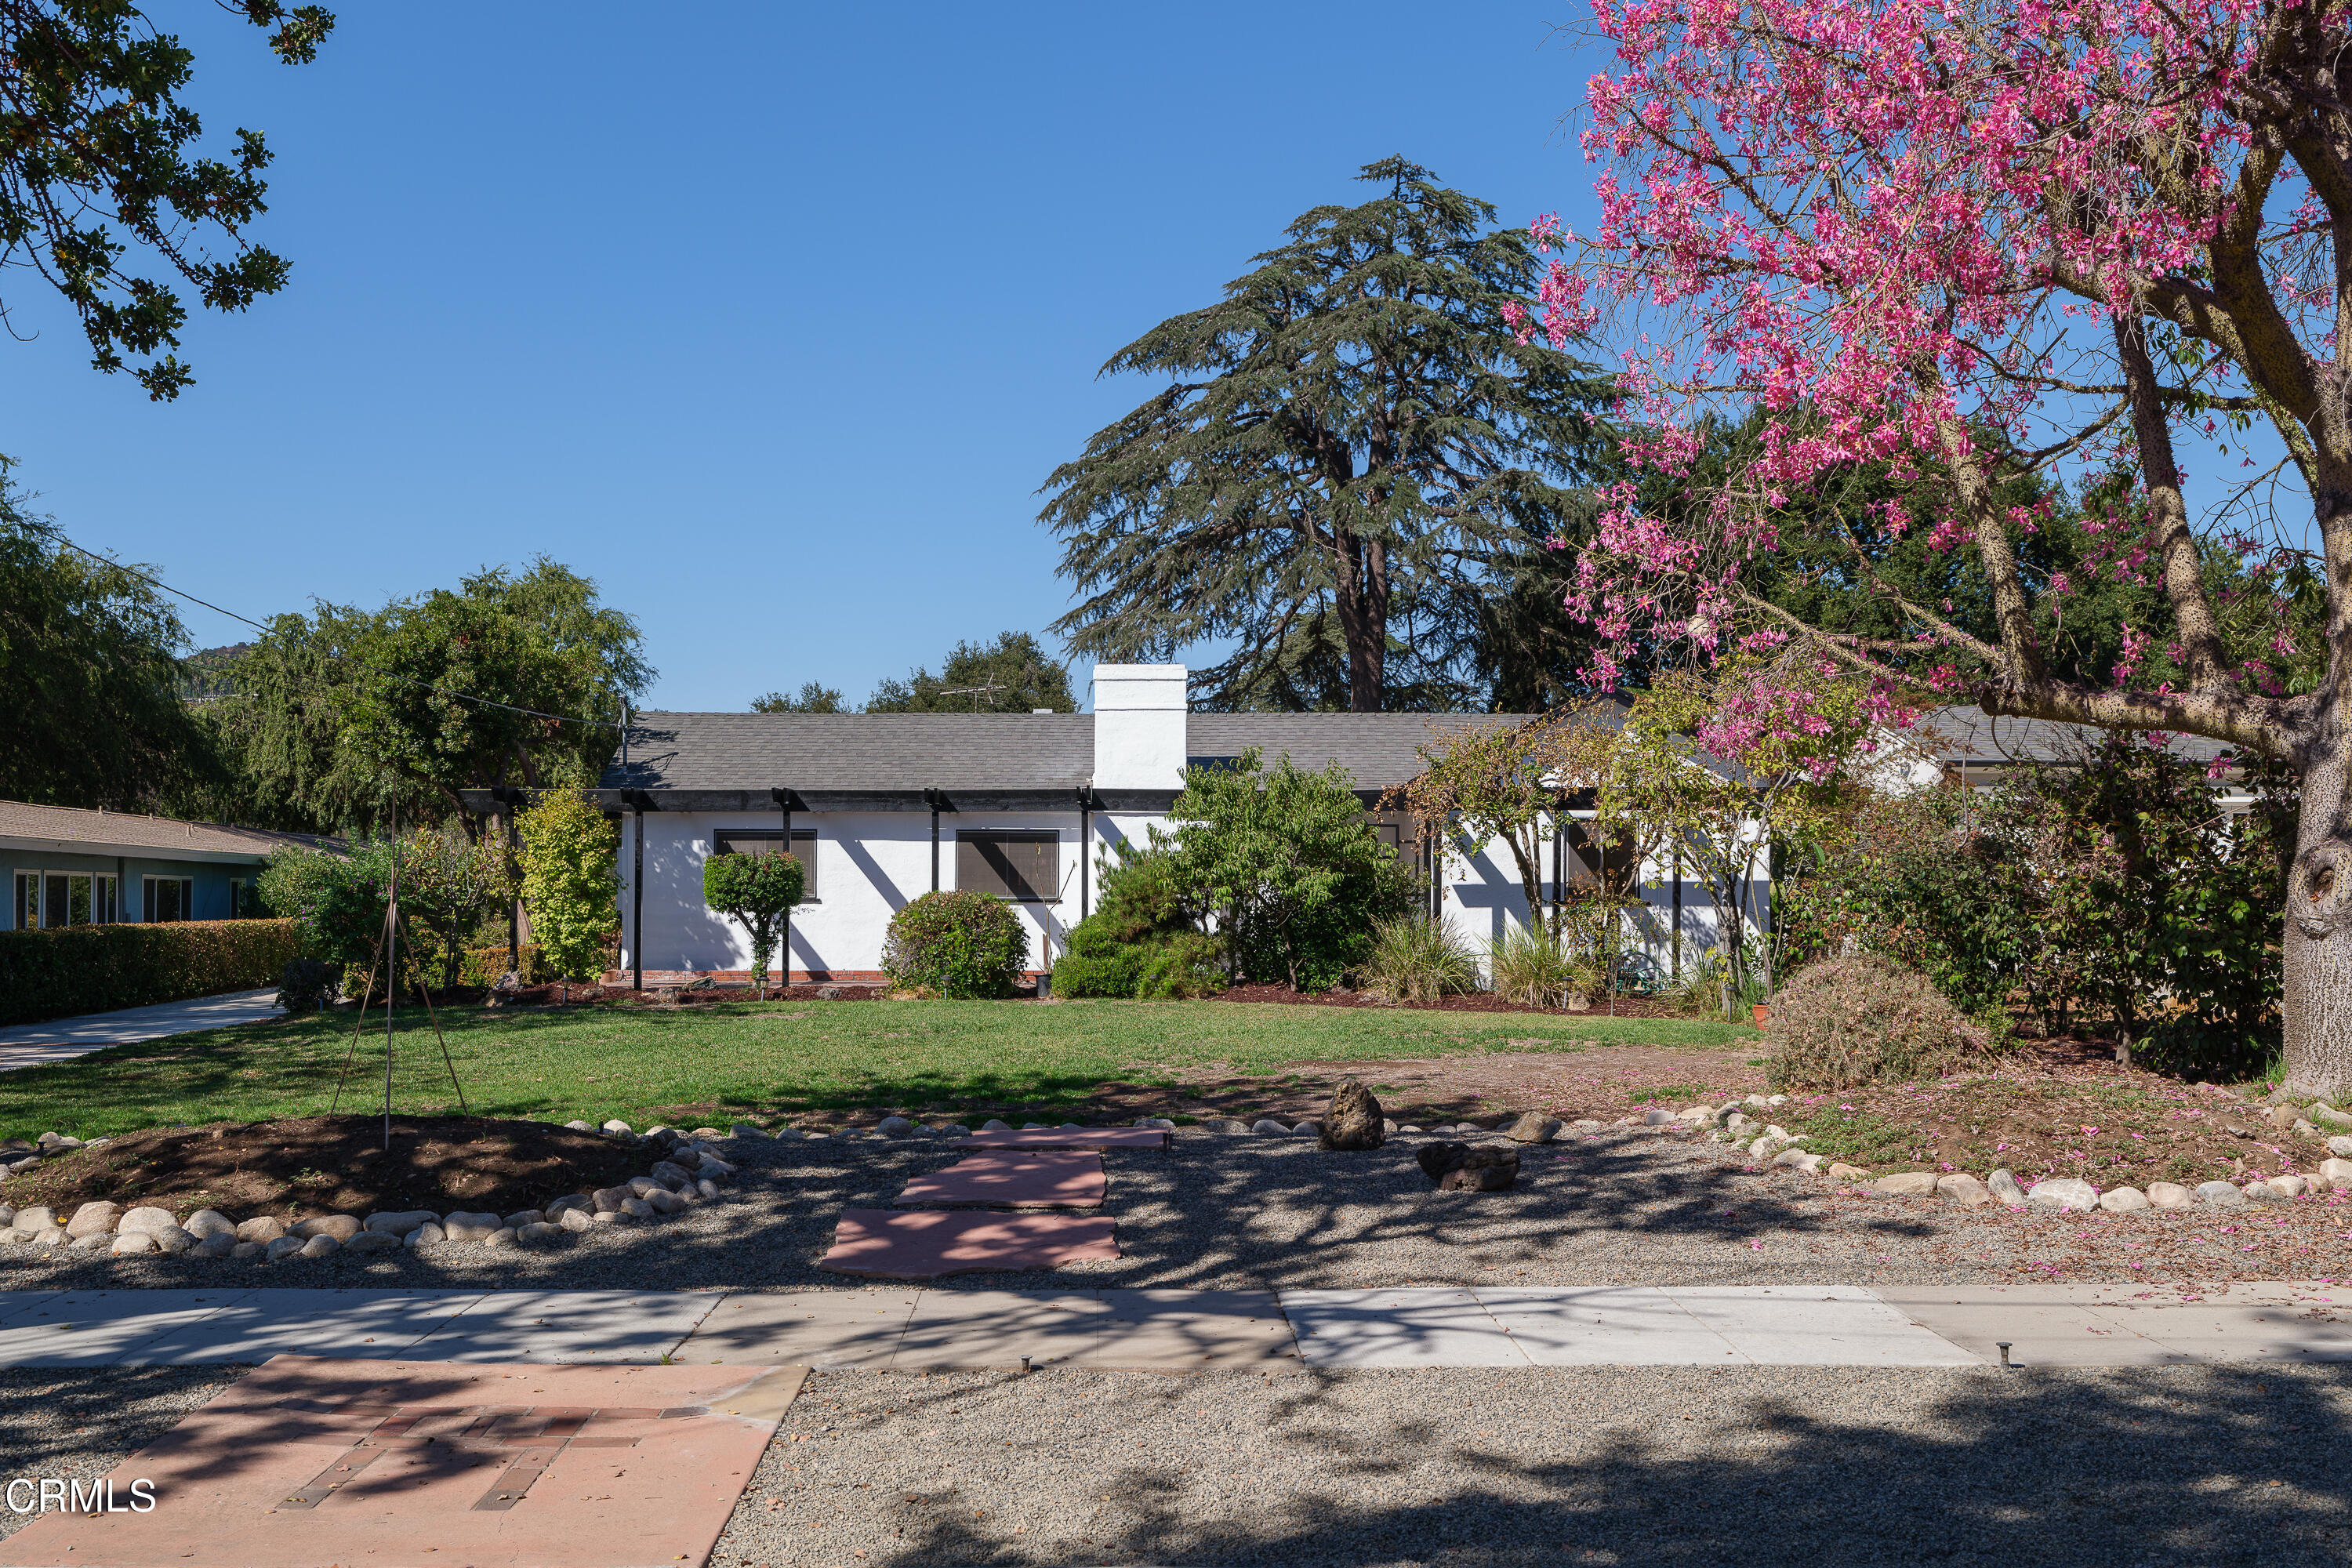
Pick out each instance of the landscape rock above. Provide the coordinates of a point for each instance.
(1844, 1172)
(994, 1124)
(1799, 1159)
(1353, 1120)
(465, 1226)
(707, 1187)
(2123, 1200)
(96, 1241)
(576, 1219)
(2327, 1115)
(744, 1130)
(2338, 1174)
(220, 1243)
(320, 1246)
(171, 1239)
(669, 1173)
(262, 1227)
(1657, 1116)
(502, 1237)
(618, 1128)
(644, 1186)
(663, 1200)
(131, 1243)
(1269, 1127)
(581, 1126)
(2292, 1186)
(952, 1130)
(1535, 1127)
(530, 1234)
(2221, 1195)
(1960, 1187)
(2071, 1194)
(557, 1207)
(425, 1235)
(1460, 1168)
(894, 1127)
(2341, 1145)
(399, 1223)
(712, 1165)
(637, 1208)
(608, 1200)
(369, 1241)
(250, 1251)
(1906, 1184)
(1310, 1128)
(206, 1222)
(2169, 1195)
(522, 1218)
(341, 1227)
(283, 1247)
(148, 1219)
(2005, 1189)
(94, 1219)
(2262, 1192)
(39, 1217)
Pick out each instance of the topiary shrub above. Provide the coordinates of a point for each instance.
(1862, 1017)
(1142, 940)
(961, 944)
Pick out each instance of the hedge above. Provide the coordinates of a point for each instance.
(95, 969)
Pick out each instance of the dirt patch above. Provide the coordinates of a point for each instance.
(1473, 1001)
(2111, 1125)
(333, 1165)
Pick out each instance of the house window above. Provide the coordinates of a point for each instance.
(245, 899)
(767, 841)
(1393, 831)
(168, 898)
(1022, 867)
(48, 900)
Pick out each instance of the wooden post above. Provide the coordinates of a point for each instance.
(638, 897)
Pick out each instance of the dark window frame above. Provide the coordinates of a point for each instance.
(723, 841)
(981, 838)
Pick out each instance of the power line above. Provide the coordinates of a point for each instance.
(51, 530)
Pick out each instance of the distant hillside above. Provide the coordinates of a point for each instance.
(211, 672)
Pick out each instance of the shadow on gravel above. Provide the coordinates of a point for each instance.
(1831, 1469)
(1210, 1212)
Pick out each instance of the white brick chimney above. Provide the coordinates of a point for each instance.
(1140, 738)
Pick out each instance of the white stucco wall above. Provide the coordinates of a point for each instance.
(872, 865)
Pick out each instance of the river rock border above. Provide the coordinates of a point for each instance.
(687, 1170)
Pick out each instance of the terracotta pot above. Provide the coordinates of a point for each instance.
(1762, 1012)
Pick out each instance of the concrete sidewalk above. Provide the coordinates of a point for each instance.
(33, 1045)
(908, 1327)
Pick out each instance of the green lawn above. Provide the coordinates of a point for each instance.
(759, 1060)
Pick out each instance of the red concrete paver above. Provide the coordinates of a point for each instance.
(307, 1461)
(1069, 1138)
(923, 1244)
(1017, 1180)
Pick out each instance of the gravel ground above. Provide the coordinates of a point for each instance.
(2179, 1465)
(1218, 1211)
(79, 1423)
(2202, 1465)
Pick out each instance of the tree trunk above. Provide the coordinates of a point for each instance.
(2317, 999)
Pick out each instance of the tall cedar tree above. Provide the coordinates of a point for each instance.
(96, 160)
(1011, 675)
(1347, 440)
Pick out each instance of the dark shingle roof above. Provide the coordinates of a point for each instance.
(1377, 749)
(1965, 736)
(856, 751)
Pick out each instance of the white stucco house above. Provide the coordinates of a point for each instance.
(883, 808)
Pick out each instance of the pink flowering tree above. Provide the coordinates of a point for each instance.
(1971, 243)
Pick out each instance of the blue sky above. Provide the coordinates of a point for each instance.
(770, 318)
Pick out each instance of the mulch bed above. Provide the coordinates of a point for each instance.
(1474, 1001)
(332, 1165)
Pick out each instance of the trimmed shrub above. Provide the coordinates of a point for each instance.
(1142, 940)
(757, 892)
(1864, 1018)
(1417, 959)
(961, 944)
(571, 884)
(306, 985)
(93, 969)
(483, 966)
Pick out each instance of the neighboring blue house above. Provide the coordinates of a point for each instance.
(70, 866)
